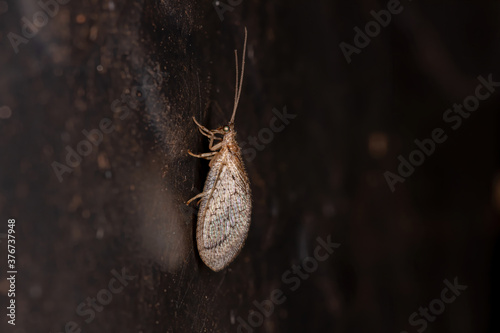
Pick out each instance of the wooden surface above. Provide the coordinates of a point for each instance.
(149, 66)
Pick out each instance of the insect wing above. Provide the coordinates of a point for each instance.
(224, 215)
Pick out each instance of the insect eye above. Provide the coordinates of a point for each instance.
(226, 128)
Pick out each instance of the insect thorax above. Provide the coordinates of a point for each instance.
(229, 141)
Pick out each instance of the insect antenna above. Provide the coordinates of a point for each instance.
(237, 90)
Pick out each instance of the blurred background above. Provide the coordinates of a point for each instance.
(96, 101)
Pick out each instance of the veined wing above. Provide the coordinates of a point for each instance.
(224, 216)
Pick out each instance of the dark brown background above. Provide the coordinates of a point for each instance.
(123, 206)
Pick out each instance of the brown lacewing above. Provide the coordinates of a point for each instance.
(226, 200)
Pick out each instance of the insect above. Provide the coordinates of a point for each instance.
(226, 202)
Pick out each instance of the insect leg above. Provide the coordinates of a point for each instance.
(208, 156)
(211, 144)
(209, 134)
(203, 130)
(199, 195)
